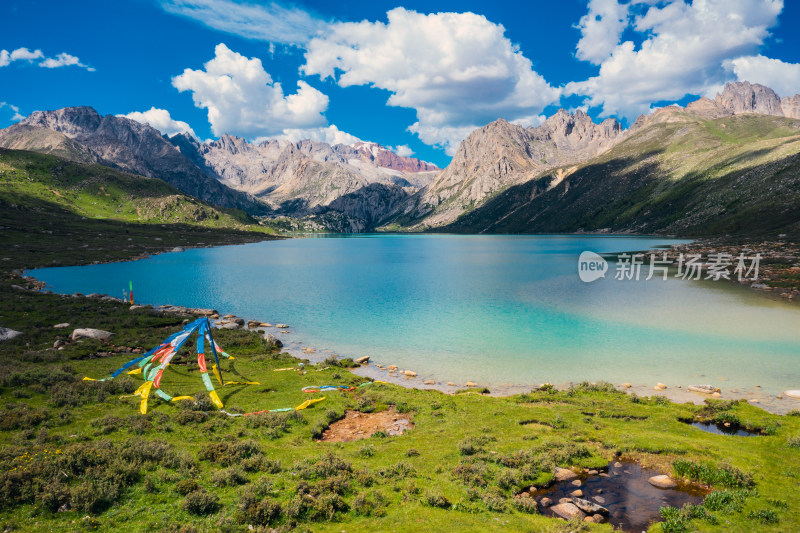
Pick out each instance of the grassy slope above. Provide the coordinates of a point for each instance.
(736, 175)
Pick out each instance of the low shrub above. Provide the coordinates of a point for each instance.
(526, 505)
(726, 476)
(200, 503)
(185, 486)
(369, 504)
(228, 477)
(765, 516)
(435, 498)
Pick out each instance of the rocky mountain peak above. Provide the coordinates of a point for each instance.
(70, 121)
(745, 97)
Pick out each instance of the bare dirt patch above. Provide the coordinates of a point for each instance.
(357, 425)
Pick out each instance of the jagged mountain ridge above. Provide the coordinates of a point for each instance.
(676, 171)
(308, 177)
(502, 154)
(128, 145)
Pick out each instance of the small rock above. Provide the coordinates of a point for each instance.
(228, 325)
(660, 386)
(716, 395)
(451, 384)
(578, 493)
(177, 249)
(626, 385)
(588, 519)
(410, 374)
(599, 499)
(471, 384)
(567, 511)
(8, 334)
(89, 333)
(59, 343)
(253, 324)
(273, 340)
(662, 481)
(62, 325)
(599, 518)
(592, 472)
(545, 502)
(281, 326)
(392, 367)
(429, 382)
(577, 483)
(362, 360)
(564, 474)
(617, 465)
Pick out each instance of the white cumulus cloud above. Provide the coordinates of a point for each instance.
(17, 116)
(402, 150)
(684, 51)
(268, 22)
(458, 71)
(328, 134)
(781, 77)
(161, 120)
(24, 54)
(601, 29)
(242, 99)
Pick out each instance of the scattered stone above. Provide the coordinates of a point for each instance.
(567, 511)
(660, 386)
(599, 518)
(62, 325)
(228, 325)
(392, 368)
(253, 324)
(429, 382)
(362, 360)
(545, 502)
(617, 465)
(532, 490)
(8, 334)
(703, 389)
(663, 482)
(471, 384)
(588, 507)
(177, 249)
(266, 325)
(577, 483)
(754, 400)
(281, 326)
(626, 385)
(578, 493)
(592, 472)
(410, 374)
(792, 394)
(89, 333)
(273, 340)
(135, 307)
(451, 384)
(564, 474)
(588, 519)
(716, 395)
(59, 343)
(599, 499)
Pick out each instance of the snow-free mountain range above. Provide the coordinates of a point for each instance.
(718, 166)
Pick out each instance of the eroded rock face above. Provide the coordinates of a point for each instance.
(129, 145)
(503, 154)
(746, 97)
(791, 106)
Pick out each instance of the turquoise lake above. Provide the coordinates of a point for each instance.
(492, 309)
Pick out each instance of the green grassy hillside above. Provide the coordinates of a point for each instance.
(681, 174)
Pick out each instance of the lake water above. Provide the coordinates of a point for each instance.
(492, 309)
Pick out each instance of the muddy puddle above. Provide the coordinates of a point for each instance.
(357, 425)
(630, 502)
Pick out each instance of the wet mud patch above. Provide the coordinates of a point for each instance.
(628, 500)
(357, 425)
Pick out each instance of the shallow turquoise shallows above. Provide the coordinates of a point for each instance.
(494, 309)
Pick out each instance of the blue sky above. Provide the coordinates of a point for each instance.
(416, 76)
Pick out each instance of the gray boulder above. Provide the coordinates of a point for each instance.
(8, 334)
(273, 340)
(89, 333)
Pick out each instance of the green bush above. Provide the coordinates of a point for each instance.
(228, 477)
(201, 503)
(254, 507)
(93, 496)
(526, 505)
(765, 516)
(726, 476)
(435, 498)
(369, 504)
(185, 486)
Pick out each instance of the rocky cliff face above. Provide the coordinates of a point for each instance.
(307, 177)
(502, 154)
(738, 98)
(138, 148)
